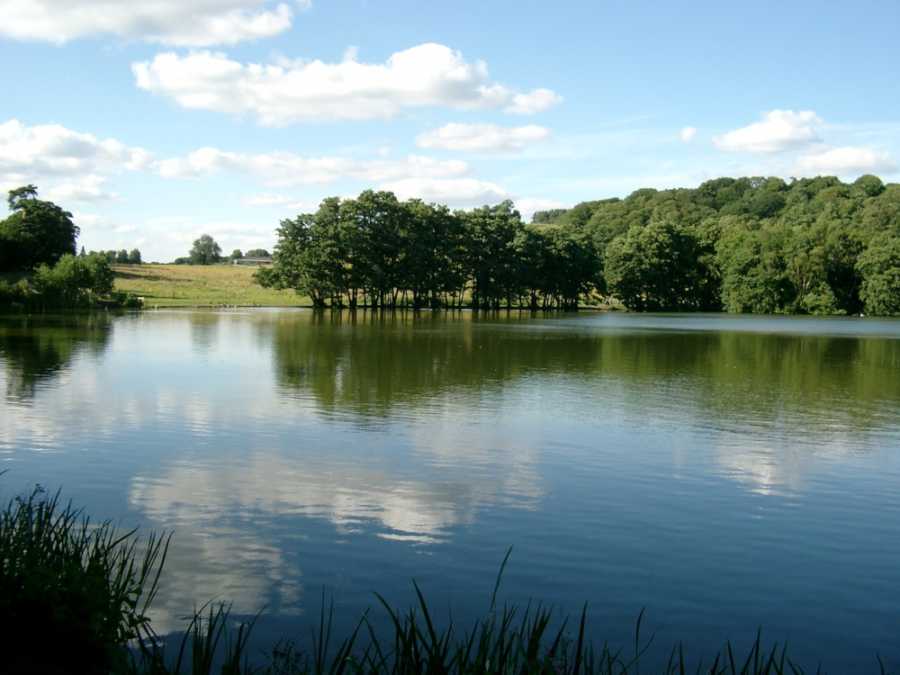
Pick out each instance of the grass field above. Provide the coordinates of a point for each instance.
(200, 286)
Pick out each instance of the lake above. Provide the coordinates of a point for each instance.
(721, 472)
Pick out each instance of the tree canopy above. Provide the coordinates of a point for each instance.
(205, 251)
(378, 251)
(762, 245)
(36, 232)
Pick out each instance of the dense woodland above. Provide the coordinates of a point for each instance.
(757, 245)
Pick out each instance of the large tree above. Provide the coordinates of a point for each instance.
(36, 231)
(205, 251)
(654, 268)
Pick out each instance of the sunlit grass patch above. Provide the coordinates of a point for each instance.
(201, 286)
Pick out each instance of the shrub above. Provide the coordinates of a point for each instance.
(74, 281)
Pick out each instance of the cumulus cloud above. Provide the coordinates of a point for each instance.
(457, 192)
(291, 91)
(779, 130)
(845, 161)
(688, 133)
(533, 102)
(89, 188)
(482, 137)
(198, 23)
(285, 168)
(71, 164)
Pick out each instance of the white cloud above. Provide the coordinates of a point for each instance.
(68, 164)
(89, 188)
(528, 205)
(456, 192)
(846, 161)
(779, 130)
(279, 201)
(196, 23)
(482, 137)
(688, 133)
(296, 91)
(285, 168)
(533, 102)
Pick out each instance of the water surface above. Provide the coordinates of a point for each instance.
(721, 472)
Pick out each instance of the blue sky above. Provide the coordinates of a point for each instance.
(156, 122)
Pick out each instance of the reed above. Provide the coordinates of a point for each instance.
(72, 592)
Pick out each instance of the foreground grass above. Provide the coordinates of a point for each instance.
(74, 597)
(201, 286)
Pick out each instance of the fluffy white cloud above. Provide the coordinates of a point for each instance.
(89, 188)
(285, 168)
(457, 192)
(69, 164)
(688, 133)
(533, 102)
(779, 130)
(173, 22)
(845, 161)
(295, 91)
(482, 137)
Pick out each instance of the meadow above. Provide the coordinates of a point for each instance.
(200, 286)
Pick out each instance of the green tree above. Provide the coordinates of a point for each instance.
(236, 254)
(653, 268)
(74, 280)
(205, 251)
(879, 265)
(134, 257)
(36, 231)
(490, 254)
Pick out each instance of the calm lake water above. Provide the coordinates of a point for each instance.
(722, 472)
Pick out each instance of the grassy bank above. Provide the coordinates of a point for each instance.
(75, 597)
(200, 286)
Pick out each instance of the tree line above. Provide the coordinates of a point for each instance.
(120, 257)
(206, 251)
(754, 245)
(378, 251)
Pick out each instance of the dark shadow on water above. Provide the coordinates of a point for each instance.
(37, 350)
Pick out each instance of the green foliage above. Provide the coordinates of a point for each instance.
(36, 232)
(255, 253)
(73, 594)
(205, 251)
(548, 216)
(134, 257)
(74, 281)
(236, 254)
(654, 268)
(758, 245)
(379, 252)
(880, 268)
